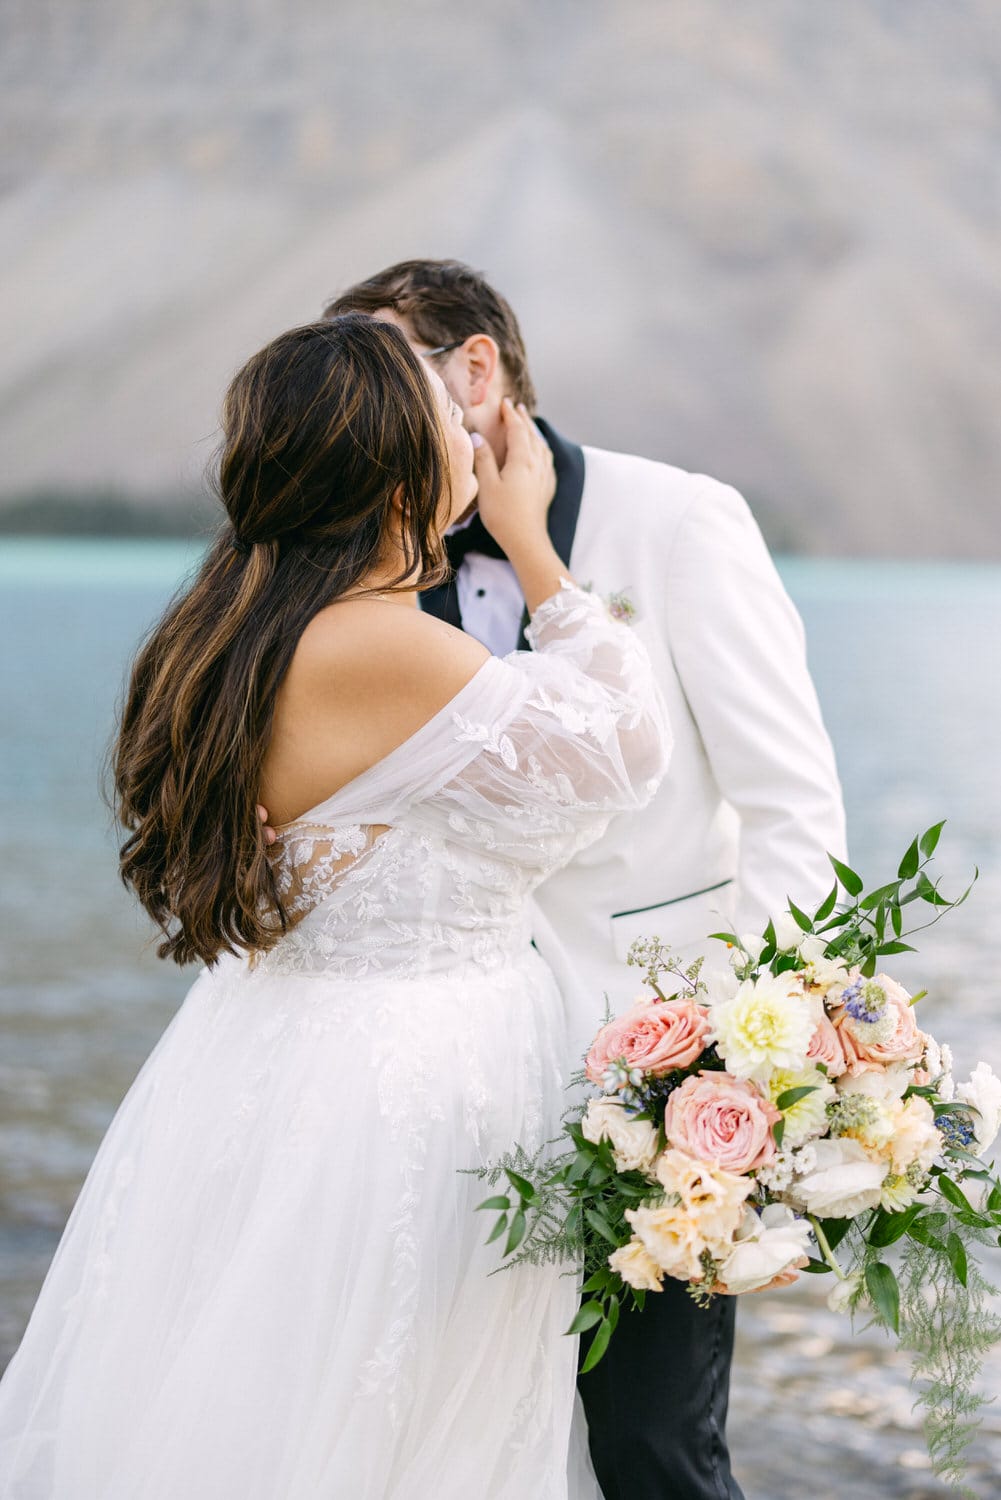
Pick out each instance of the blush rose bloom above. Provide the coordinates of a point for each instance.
(656, 1036)
(825, 1047)
(898, 1037)
(721, 1119)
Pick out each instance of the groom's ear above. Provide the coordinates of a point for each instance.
(480, 357)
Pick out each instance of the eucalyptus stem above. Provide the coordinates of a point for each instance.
(825, 1248)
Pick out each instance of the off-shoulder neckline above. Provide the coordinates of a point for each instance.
(312, 814)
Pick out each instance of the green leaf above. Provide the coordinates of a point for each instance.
(599, 1280)
(771, 941)
(598, 1346)
(817, 1267)
(613, 1314)
(956, 1251)
(778, 1131)
(928, 893)
(852, 882)
(599, 1223)
(497, 1202)
(521, 1185)
(910, 863)
(994, 1200)
(729, 937)
(799, 917)
(895, 947)
(897, 919)
(516, 1233)
(884, 893)
(954, 1194)
(498, 1229)
(589, 1314)
(930, 838)
(827, 905)
(789, 1097)
(868, 969)
(835, 1230)
(888, 1228)
(881, 1284)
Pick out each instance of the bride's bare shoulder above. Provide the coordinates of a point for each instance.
(374, 648)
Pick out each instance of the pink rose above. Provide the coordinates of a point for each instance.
(721, 1119)
(655, 1036)
(825, 1047)
(894, 1038)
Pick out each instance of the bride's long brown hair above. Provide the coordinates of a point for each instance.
(320, 430)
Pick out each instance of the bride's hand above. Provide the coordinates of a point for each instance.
(514, 500)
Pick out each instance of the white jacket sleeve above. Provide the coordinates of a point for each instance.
(739, 650)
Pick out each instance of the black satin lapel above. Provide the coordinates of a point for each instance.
(443, 602)
(564, 512)
(565, 509)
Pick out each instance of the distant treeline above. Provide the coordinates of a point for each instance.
(106, 513)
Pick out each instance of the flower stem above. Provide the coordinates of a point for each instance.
(825, 1248)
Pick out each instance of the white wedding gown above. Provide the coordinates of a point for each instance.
(273, 1285)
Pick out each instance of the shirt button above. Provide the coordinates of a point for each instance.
(481, 593)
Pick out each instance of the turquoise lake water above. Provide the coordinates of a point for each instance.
(904, 656)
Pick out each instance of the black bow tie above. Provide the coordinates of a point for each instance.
(472, 538)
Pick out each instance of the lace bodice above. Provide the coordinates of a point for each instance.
(425, 860)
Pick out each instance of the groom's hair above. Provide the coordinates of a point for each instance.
(445, 302)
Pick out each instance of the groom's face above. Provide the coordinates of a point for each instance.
(471, 372)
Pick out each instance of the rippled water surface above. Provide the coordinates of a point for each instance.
(903, 656)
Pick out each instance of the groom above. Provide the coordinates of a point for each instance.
(750, 805)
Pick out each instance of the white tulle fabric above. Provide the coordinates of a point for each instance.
(273, 1285)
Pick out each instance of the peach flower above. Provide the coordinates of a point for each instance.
(894, 1038)
(656, 1036)
(721, 1119)
(825, 1047)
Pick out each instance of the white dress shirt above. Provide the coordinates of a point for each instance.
(490, 602)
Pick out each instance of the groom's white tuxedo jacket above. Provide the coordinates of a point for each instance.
(751, 803)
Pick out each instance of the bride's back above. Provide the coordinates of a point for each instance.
(336, 474)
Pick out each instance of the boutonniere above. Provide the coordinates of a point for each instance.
(621, 607)
(618, 604)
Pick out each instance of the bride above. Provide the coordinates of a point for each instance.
(273, 1286)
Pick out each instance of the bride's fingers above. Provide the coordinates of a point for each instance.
(518, 430)
(484, 463)
(269, 832)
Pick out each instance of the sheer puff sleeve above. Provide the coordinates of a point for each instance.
(576, 732)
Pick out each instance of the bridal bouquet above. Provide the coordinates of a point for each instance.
(789, 1114)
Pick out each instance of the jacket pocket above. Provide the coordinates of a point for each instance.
(684, 921)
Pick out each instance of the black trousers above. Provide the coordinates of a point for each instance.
(656, 1403)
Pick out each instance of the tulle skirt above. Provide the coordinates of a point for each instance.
(273, 1285)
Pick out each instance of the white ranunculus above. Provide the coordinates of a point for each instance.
(752, 945)
(766, 1245)
(633, 1142)
(827, 974)
(881, 1084)
(843, 1292)
(983, 1093)
(788, 932)
(767, 1024)
(844, 1182)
